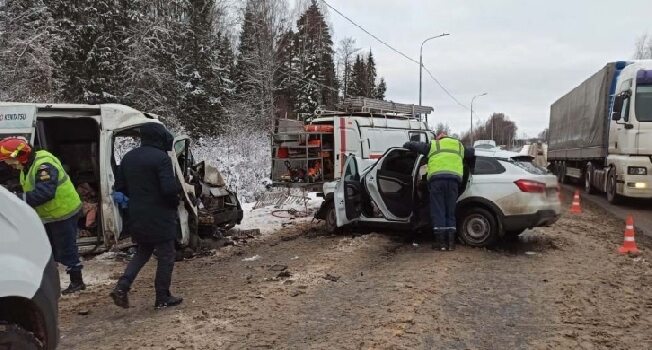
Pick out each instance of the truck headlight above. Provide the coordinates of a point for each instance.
(636, 170)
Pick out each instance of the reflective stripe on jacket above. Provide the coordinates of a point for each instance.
(65, 203)
(446, 157)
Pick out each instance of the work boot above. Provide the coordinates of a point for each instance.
(167, 302)
(438, 243)
(451, 240)
(120, 297)
(76, 283)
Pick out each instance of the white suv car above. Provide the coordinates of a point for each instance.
(502, 194)
(29, 279)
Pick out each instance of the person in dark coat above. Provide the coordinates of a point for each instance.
(147, 179)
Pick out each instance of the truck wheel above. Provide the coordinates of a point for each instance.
(588, 178)
(478, 227)
(561, 173)
(612, 195)
(13, 337)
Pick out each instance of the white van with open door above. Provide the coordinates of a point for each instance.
(311, 153)
(90, 141)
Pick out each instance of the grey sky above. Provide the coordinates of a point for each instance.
(525, 54)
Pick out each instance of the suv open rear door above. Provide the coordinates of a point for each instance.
(348, 194)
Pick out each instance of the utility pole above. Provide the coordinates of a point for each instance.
(492, 127)
(421, 65)
(473, 99)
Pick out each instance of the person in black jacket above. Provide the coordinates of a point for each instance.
(146, 177)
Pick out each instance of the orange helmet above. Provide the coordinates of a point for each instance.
(15, 148)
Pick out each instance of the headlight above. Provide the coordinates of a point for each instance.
(636, 170)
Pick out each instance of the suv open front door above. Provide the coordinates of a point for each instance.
(348, 194)
(392, 183)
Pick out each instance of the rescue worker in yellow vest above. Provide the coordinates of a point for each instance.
(445, 173)
(48, 189)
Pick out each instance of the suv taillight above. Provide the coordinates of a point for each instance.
(530, 186)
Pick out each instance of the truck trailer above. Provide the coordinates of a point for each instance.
(600, 133)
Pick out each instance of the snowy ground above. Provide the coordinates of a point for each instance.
(269, 219)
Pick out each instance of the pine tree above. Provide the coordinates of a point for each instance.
(358, 77)
(247, 50)
(25, 46)
(201, 102)
(370, 78)
(314, 46)
(286, 76)
(89, 61)
(380, 90)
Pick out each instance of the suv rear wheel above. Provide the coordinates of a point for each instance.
(478, 227)
(13, 337)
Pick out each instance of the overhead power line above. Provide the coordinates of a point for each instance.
(448, 93)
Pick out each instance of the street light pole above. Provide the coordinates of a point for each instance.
(421, 61)
(473, 99)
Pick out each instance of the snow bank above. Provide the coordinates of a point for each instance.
(270, 219)
(242, 156)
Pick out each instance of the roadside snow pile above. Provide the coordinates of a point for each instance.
(243, 157)
(270, 219)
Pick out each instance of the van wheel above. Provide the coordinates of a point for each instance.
(612, 195)
(13, 337)
(478, 227)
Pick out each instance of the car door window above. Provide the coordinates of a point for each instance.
(487, 166)
(351, 171)
(418, 136)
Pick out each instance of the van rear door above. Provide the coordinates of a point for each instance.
(17, 120)
(346, 141)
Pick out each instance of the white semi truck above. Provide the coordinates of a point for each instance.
(601, 132)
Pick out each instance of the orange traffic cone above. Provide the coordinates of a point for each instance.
(629, 245)
(576, 208)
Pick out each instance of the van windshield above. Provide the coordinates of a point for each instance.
(644, 103)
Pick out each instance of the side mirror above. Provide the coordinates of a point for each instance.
(618, 106)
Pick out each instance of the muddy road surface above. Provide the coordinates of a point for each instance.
(563, 287)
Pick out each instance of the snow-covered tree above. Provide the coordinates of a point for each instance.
(370, 78)
(346, 56)
(314, 45)
(381, 89)
(643, 48)
(25, 45)
(200, 71)
(265, 22)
